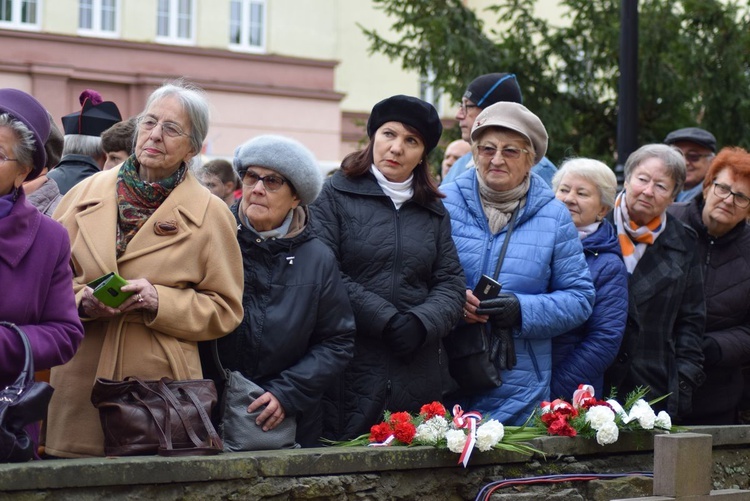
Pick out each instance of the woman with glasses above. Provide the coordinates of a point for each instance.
(382, 216)
(718, 216)
(298, 331)
(546, 285)
(661, 348)
(151, 222)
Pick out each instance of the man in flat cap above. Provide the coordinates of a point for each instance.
(83, 155)
(698, 146)
(482, 92)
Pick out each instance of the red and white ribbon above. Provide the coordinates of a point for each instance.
(466, 420)
(584, 393)
(384, 443)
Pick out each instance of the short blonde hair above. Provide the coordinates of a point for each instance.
(593, 171)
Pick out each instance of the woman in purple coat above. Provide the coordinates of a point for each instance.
(35, 272)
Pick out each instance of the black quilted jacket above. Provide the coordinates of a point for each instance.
(392, 261)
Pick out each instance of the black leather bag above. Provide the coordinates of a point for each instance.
(476, 355)
(473, 355)
(237, 426)
(22, 403)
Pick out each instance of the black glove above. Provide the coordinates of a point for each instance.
(504, 311)
(505, 356)
(404, 333)
(711, 351)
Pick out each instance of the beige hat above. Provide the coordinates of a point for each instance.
(517, 118)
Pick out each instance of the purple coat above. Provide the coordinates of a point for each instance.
(36, 291)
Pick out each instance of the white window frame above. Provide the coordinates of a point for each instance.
(172, 37)
(429, 92)
(96, 21)
(244, 44)
(15, 17)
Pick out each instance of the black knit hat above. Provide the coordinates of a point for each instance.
(410, 111)
(492, 88)
(95, 116)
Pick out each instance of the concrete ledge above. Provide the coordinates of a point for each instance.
(256, 468)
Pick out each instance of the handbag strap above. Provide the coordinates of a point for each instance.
(217, 361)
(26, 377)
(504, 248)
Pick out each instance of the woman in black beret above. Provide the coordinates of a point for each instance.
(382, 216)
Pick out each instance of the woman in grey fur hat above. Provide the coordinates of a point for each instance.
(298, 331)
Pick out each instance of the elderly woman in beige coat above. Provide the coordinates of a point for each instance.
(153, 223)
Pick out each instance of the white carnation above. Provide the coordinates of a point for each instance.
(607, 434)
(643, 413)
(663, 421)
(599, 415)
(489, 434)
(456, 439)
(430, 432)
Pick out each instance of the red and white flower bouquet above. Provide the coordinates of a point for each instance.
(460, 433)
(588, 417)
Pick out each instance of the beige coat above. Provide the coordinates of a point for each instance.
(197, 272)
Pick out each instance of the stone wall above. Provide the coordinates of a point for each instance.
(397, 473)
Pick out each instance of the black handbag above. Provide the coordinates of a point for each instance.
(237, 426)
(475, 354)
(22, 403)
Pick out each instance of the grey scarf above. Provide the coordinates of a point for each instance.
(498, 205)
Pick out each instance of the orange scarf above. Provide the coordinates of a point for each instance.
(635, 239)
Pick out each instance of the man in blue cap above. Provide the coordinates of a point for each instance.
(83, 155)
(482, 92)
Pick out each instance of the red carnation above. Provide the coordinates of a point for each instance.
(380, 432)
(405, 432)
(400, 417)
(429, 411)
(562, 428)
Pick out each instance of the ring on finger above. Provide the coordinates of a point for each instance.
(139, 298)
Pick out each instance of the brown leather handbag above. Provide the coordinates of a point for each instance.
(165, 417)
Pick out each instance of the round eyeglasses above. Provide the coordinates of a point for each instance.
(508, 152)
(170, 129)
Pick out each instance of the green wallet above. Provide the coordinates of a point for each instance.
(107, 289)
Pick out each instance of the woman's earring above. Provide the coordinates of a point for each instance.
(16, 193)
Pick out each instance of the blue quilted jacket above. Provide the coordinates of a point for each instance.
(544, 267)
(582, 355)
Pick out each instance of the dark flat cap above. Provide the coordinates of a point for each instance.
(692, 135)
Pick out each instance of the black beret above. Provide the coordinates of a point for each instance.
(410, 111)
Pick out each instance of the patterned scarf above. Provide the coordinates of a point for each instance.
(634, 239)
(138, 199)
(499, 205)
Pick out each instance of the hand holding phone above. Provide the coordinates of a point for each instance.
(107, 289)
(487, 288)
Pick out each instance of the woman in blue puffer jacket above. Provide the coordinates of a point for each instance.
(547, 288)
(588, 187)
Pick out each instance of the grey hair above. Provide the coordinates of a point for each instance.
(670, 157)
(80, 144)
(24, 150)
(193, 101)
(593, 171)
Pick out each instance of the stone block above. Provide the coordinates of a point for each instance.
(682, 464)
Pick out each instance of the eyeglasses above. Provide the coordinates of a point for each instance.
(271, 183)
(508, 152)
(692, 156)
(465, 107)
(170, 129)
(3, 158)
(723, 191)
